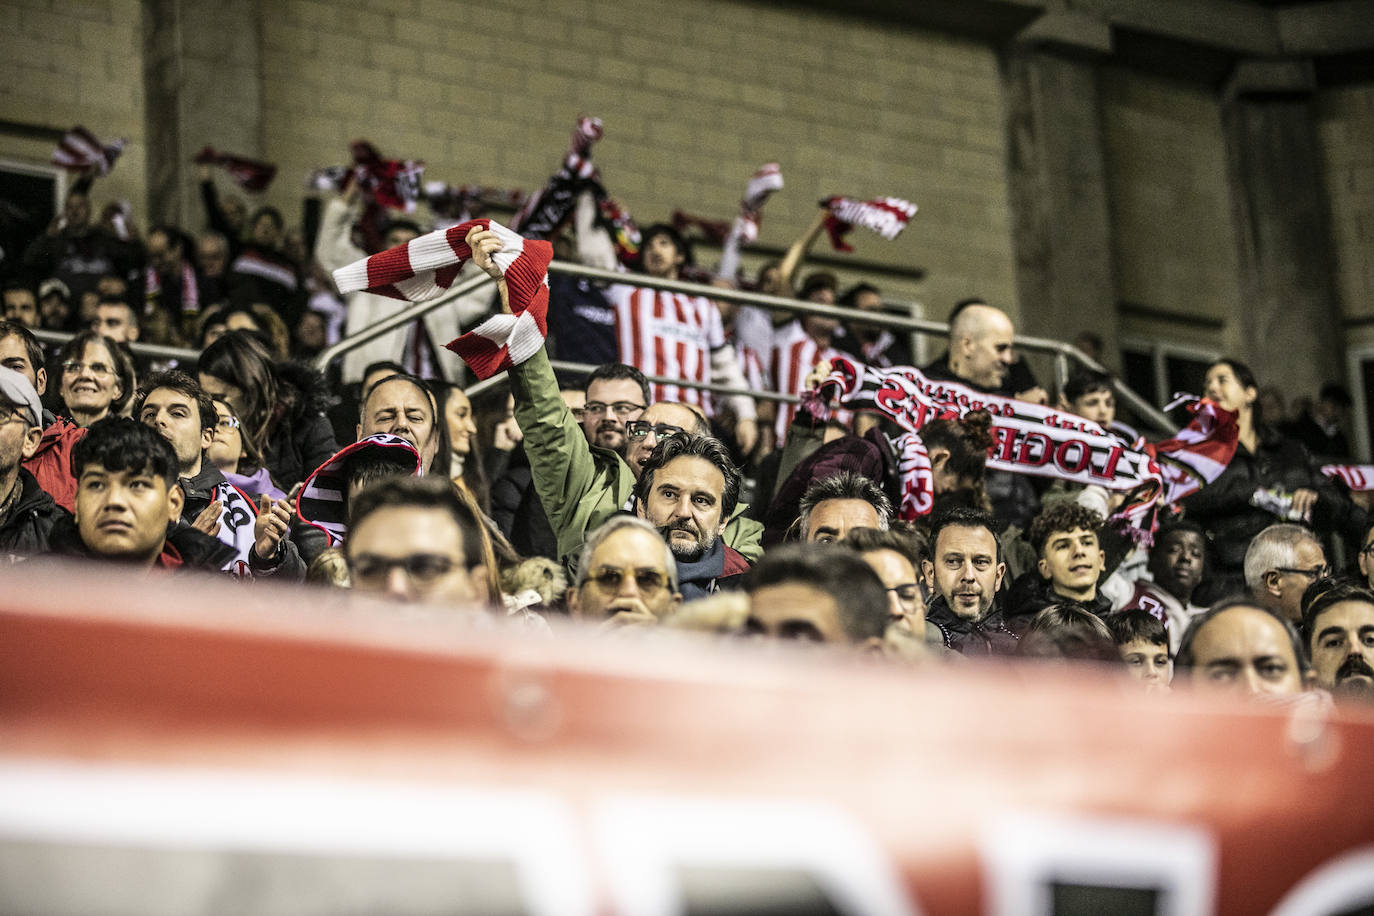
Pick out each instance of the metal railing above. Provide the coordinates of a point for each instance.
(153, 351)
(1064, 354)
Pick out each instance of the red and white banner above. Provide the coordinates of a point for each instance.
(272, 750)
(1035, 439)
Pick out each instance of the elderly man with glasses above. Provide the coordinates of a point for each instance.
(625, 576)
(1280, 563)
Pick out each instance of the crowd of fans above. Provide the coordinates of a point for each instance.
(621, 497)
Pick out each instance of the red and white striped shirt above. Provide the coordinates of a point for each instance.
(795, 353)
(668, 334)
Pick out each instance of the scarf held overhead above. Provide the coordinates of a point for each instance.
(1027, 438)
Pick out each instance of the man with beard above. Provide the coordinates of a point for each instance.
(1338, 626)
(965, 571)
(688, 488)
(1176, 567)
(616, 395)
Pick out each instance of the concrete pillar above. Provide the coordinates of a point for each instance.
(1288, 326)
(203, 86)
(1057, 177)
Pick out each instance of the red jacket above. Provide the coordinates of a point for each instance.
(51, 465)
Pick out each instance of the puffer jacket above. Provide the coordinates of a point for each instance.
(27, 529)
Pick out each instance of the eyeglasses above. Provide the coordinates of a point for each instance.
(420, 568)
(10, 415)
(1313, 573)
(622, 409)
(648, 581)
(578, 413)
(909, 593)
(1368, 549)
(228, 423)
(76, 367)
(638, 429)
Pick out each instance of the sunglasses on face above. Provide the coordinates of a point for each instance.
(648, 581)
(418, 567)
(638, 429)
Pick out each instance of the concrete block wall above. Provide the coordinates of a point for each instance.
(1345, 120)
(695, 96)
(68, 62)
(1171, 210)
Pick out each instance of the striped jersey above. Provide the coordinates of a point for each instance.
(795, 353)
(668, 334)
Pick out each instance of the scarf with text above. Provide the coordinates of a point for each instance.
(79, 150)
(1032, 439)
(249, 174)
(886, 216)
(236, 523)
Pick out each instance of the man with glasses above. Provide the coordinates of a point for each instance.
(1280, 563)
(413, 539)
(616, 395)
(625, 576)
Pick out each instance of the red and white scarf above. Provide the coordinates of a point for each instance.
(886, 216)
(427, 266)
(1358, 477)
(1032, 438)
(249, 174)
(393, 183)
(79, 150)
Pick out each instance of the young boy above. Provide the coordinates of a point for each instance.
(1089, 394)
(1176, 569)
(1071, 562)
(1144, 646)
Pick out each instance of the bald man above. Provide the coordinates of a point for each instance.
(980, 354)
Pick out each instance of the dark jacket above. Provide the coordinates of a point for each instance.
(721, 569)
(1031, 593)
(517, 511)
(26, 529)
(185, 548)
(287, 564)
(989, 636)
(299, 438)
(1224, 510)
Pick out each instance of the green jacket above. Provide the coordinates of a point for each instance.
(582, 485)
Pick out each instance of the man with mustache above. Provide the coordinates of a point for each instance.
(966, 570)
(616, 395)
(1338, 627)
(688, 488)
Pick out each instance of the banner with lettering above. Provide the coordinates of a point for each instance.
(1032, 438)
